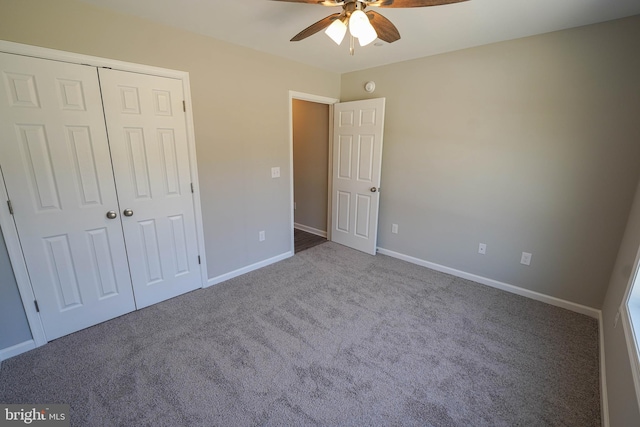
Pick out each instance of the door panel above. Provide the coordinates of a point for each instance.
(56, 165)
(148, 138)
(357, 163)
(363, 215)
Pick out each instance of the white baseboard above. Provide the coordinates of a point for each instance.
(310, 230)
(247, 269)
(578, 308)
(604, 397)
(17, 349)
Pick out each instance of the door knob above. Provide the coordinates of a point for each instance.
(112, 214)
(128, 212)
(374, 189)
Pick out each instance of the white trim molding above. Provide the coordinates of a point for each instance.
(312, 98)
(193, 163)
(578, 308)
(310, 230)
(630, 318)
(23, 347)
(20, 272)
(94, 61)
(248, 269)
(630, 339)
(604, 395)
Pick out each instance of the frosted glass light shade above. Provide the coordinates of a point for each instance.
(358, 21)
(360, 27)
(369, 35)
(336, 31)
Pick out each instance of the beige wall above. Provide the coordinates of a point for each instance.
(310, 163)
(623, 404)
(241, 114)
(528, 145)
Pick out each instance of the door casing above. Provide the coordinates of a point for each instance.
(320, 100)
(6, 221)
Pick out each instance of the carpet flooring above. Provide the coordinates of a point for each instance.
(330, 337)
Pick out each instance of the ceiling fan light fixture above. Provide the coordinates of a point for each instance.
(358, 22)
(361, 28)
(366, 27)
(336, 31)
(369, 36)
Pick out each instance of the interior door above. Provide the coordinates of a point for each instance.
(357, 163)
(55, 161)
(147, 133)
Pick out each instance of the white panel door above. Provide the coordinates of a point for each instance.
(148, 138)
(55, 160)
(357, 163)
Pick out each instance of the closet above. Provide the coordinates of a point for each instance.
(96, 166)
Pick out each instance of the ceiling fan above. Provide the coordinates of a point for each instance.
(364, 26)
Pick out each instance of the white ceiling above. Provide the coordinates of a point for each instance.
(267, 25)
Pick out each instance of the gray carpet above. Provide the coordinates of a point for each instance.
(329, 337)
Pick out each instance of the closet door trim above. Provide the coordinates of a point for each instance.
(6, 220)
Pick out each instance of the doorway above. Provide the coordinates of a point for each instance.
(310, 173)
(311, 124)
(354, 169)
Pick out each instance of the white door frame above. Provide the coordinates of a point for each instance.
(6, 221)
(319, 100)
(19, 266)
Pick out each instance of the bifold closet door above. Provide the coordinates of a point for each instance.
(148, 138)
(57, 169)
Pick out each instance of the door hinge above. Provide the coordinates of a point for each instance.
(184, 106)
(36, 304)
(198, 259)
(10, 207)
(192, 187)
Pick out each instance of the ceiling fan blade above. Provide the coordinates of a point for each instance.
(410, 3)
(314, 28)
(322, 2)
(386, 30)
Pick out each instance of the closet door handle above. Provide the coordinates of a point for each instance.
(112, 214)
(128, 212)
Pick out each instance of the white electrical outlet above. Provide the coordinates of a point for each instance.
(275, 172)
(261, 236)
(615, 321)
(526, 258)
(295, 206)
(482, 248)
(394, 228)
